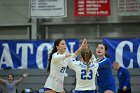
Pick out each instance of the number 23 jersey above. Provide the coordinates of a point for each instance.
(85, 77)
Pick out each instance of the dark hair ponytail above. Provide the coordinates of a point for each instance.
(86, 54)
(106, 49)
(56, 43)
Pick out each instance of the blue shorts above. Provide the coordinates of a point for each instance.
(86, 91)
(45, 89)
(111, 87)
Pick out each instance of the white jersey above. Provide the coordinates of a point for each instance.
(58, 67)
(85, 78)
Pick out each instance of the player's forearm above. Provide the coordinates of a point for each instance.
(77, 52)
(2, 80)
(83, 45)
(20, 79)
(127, 76)
(127, 81)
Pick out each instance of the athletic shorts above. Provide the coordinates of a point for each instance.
(86, 91)
(45, 89)
(111, 87)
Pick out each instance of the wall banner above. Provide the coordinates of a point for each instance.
(125, 51)
(92, 7)
(48, 8)
(24, 54)
(128, 7)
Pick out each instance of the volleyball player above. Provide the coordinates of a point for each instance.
(105, 80)
(57, 66)
(86, 70)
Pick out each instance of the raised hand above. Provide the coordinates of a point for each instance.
(25, 75)
(84, 44)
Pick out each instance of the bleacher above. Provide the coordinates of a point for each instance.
(37, 78)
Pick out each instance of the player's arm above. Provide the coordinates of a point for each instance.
(83, 45)
(57, 57)
(21, 78)
(2, 80)
(127, 80)
(70, 62)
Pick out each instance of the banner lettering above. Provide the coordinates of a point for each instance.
(125, 51)
(23, 54)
